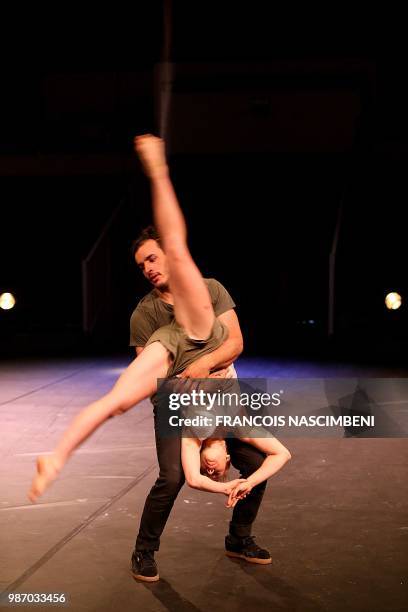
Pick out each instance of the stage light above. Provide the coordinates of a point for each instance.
(393, 300)
(7, 301)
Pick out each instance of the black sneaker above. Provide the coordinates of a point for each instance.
(245, 548)
(144, 566)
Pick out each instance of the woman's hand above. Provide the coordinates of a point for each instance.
(241, 490)
(230, 487)
(48, 468)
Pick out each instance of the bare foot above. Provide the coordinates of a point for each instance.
(48, 469)
(151, 152)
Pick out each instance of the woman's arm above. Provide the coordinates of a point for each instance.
(190, 458)
(276, 457)
(137, 382)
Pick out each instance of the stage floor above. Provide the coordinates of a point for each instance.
(335, 519)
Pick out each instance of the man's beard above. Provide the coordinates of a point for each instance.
(162, 287)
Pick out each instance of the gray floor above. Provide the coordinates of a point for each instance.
(335, 519)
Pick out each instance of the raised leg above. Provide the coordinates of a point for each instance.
(192, 304)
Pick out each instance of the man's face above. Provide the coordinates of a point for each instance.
(151, 260)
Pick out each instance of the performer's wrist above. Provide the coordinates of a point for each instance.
(252, 481)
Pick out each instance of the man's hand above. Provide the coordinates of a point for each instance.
(198, 369)
(241, 490)
(229, 372)
(201, 369)
(151, 152)
(48, 468)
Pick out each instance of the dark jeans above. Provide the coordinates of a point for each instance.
(244, 457)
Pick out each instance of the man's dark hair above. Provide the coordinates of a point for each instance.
(148, 233)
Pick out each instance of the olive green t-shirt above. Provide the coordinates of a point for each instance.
(183, 349)
(152, 312)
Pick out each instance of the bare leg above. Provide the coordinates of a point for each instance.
(137, 382)
(192, 304)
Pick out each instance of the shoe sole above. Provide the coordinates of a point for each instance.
(145, 578)
(248, 559)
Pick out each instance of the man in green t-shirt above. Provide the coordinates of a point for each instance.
(155, 309)
(152, 312)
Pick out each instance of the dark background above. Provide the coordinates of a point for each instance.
(275, 121)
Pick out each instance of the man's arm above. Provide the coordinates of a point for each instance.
(224, 355)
